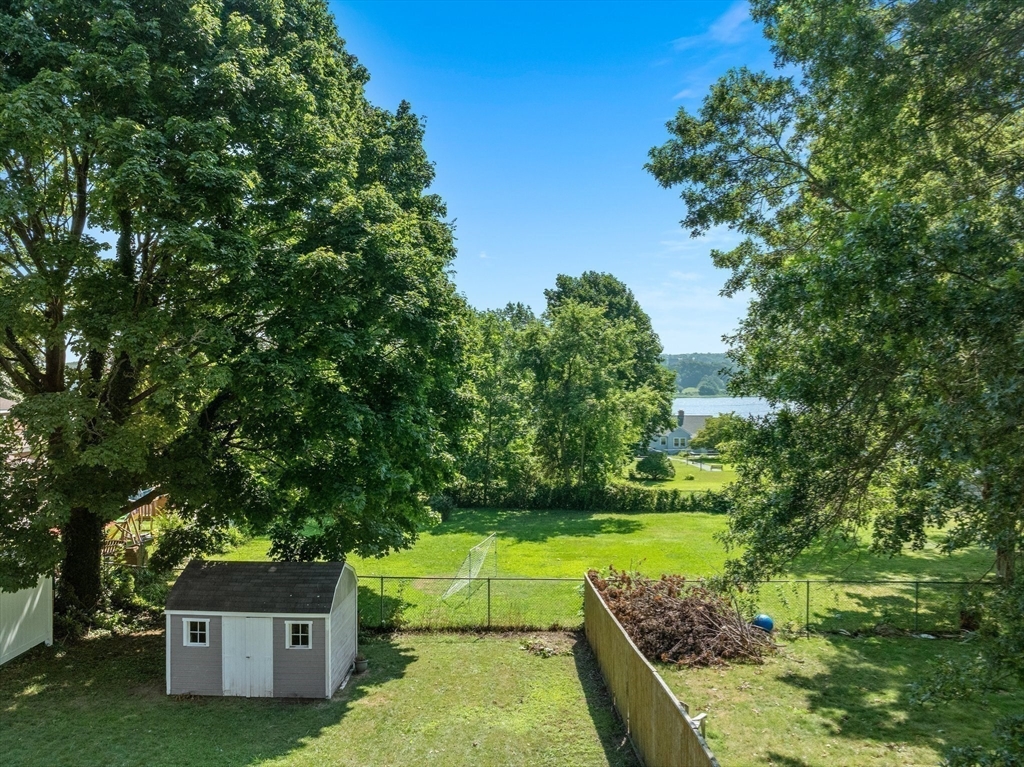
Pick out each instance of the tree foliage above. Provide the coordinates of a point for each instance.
(720, 433)
(589, 415)
(273, 337)
(655, 465)
(620, 305)
(878, 191)
(561, 400)
(693, 369)
(498, 457)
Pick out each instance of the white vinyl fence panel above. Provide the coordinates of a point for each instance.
(26, 619)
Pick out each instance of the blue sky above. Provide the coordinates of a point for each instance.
(539, 120)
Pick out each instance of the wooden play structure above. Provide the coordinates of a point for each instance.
(127, 537)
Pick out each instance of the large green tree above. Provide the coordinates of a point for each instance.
(498, 459)
(589, 417)
(618, 303)
(879, 192)
(273, 336)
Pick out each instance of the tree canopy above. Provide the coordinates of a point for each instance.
(878, 192)
(562, 400)
(719, 432)
(620, 305)
(272, 338)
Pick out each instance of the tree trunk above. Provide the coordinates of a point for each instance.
(1006, 561)
(79, 586)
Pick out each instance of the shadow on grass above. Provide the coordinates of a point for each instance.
(781, 760)
(616, 746)
(864, 694)
(101, 701)
(849, 559)
(536, 526)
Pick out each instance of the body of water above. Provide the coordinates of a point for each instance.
(741, 406)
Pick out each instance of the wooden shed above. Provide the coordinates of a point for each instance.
(26, 619)
(261, 629)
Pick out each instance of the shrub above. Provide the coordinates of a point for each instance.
(656, 465)
(443, 504)
(618, 497)
(179, 541)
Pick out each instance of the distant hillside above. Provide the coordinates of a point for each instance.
(698, 373)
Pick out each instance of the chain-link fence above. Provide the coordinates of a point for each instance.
(557, 603)
(387, 601)
(829, 606)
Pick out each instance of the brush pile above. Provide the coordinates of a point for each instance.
(672, 621)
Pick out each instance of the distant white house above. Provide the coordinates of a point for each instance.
(678, 438)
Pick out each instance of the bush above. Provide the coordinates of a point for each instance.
(689, 476)
(656, 465)
(443, 504)
(178, 541)
(617, 497)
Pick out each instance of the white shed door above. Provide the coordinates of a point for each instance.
(259, 643)
(248, 656)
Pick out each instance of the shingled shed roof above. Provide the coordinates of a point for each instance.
(256, 587)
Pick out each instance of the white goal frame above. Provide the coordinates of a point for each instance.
(472, 565)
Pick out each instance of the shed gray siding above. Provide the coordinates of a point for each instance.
(344, 626)
(300, 673)
(195, 670)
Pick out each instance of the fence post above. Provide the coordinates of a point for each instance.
(382, 601)
(917, 603)
(488, 603)
(807, 610)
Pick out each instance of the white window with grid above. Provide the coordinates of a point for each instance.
(196, 632)
(298, 635)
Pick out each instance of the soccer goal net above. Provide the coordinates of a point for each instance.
(482, 561)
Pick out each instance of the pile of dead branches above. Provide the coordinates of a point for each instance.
(673, 621)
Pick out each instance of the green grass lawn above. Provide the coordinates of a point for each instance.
(567, 543)
(561, 544)
(703, 479)
(439, 699)
(551, 544)
(835, 701)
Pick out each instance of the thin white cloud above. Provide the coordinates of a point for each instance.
(483, 254)
(731, 27)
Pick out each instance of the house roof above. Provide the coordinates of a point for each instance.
(256, 587)
(694, 423)
(690, 426)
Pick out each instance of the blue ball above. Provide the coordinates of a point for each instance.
(764, 622)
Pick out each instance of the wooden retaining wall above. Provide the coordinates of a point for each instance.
(659, 727)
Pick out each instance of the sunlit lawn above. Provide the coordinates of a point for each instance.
(566, 544)
(439, 699)
(835, 700)
(552, 544)
(702, 479)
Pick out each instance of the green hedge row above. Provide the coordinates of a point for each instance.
(617, 497)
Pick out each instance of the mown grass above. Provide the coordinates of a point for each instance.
(703, 479)
(836, 701)
(438, 699)
(551, 544)
(567, 543)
